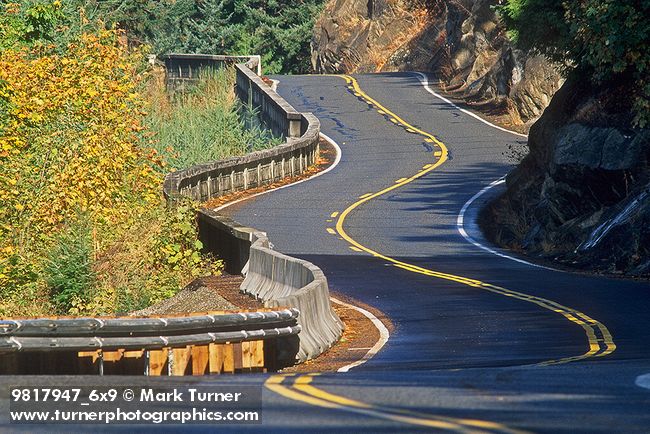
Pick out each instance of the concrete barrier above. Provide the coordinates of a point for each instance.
(276, 279)
(184, 69)
(230, 240)
(209, 180)
(281, 280)
(275, 113)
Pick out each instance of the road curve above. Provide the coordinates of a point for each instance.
(474, 331)
(409, 163)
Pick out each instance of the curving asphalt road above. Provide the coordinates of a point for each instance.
(482, 343)
(460, 348)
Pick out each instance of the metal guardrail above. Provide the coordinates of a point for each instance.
(129, 327)
(176, 345)
(139, 342)
(87, 334)
(276, 279)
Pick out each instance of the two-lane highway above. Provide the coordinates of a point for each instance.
(383, 227)
(482, 343)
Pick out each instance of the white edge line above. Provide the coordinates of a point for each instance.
(425, 82)
(460, 226)
(643, 381)
(383, 335)
(461, 216)
(383, 331)
(337, 160)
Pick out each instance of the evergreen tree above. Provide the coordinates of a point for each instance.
(278, 30)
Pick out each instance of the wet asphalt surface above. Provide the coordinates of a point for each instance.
(441, 325)
(457, 351)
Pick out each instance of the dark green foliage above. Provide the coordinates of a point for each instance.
(278, 30)
(537, 25)
(29, 22)
(68, 269)
(608, 39)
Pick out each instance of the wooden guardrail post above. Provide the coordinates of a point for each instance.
(197, 344)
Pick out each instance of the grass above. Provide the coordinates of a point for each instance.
(204, 123)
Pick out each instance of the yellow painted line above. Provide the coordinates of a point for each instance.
(437, 153)
(331, 231)
(334, 214)
(597, 347)
(274, 384)
(393, 120)
(401, 180)
(356, 249)
(410, 130)
(329, 220)
(305, 392)
(365, 195)
(426, 166)
(381, 112)
(355, 85)
(303, 385)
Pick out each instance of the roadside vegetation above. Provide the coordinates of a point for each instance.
(279, 30)
(85, 141)
(202, 123)
(606, 40)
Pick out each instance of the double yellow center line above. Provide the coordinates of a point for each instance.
(301, 389)
(599, 339)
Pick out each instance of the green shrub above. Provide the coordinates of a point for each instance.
(68, 269)
(73, 140)
(157, 255)
(608, 39)
(34, 21)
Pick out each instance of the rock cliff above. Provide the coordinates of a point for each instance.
(461, 41)
(582, 194)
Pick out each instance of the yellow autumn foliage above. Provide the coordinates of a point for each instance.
(70, 139)
(71, 134)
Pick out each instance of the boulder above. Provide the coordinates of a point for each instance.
(582, 194)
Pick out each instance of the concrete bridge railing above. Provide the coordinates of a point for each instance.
(182, 69)
(301, 130)
(277, 279)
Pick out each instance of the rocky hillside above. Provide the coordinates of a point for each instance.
(461, 41)
(582, 195)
